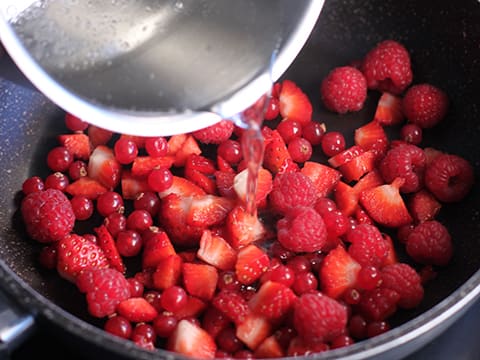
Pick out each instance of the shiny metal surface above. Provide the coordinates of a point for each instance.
(155, 67)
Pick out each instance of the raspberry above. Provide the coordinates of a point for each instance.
(216, 133)
(48, 215)
(405, 161)
(387, 67)
(105, 289)
(318, 318)
(449, 177)
(344, 89)
(292, 189)
(368, 247)
(406, 282)
(430, 243)
(302, 230)
(378, 304)
(425, 105)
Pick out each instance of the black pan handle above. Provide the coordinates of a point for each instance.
(16, 325)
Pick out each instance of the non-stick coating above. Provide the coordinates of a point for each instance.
(443, 38)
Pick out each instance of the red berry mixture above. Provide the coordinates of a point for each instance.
(171, 256)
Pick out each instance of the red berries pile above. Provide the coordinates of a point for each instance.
(312, 269)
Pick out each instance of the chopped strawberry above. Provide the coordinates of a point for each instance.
(392, 254)
(132, 186)
(189, 147)
(251, 263)
(276, 156)
(77, 144)
(198, 169)
(345, 156)
(208, 210)
(191, 340)
(372, 136)
(253, 330)
(273, 300)
(243, 228)
(200, 280)
(214, 250)
(98, 136)
(107, 244)
(354, 169)
(338, 272)
(175, 143)
(423, 206)
(232, 304)
(75, 254)
(173, 214)
(323, 177)
(389, 110)
(156, 247)
(104, 167)
(168, 272)
(294, 103)
(143, 165)
(224, 181)
(346, 198)
(368, 181)
(264, 185)
(192, 309)
(224, 166)
(182, 187)
(86, 186)
(137, 309)
(269, 348)
(385, 205)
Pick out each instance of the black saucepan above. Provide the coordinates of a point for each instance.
(444, 40)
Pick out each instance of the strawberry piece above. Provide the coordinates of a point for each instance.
(107, 244)
(269, 348)
(345, 156)
(385, 205)
(98, 136)
(372, 136)
(86, 186)
(354, 169)
(191, 340)
(346, 198)
(276, 156)
(243, 228)
(273, 300)
(294, 103)
(175, 143)
(132, 186)
(264, 185)
(75, 254)
(423, 206)
(192, 309)
(392, 257)
(389, 110)
(104, 167)
(323, 177)
(182, 187)
(254, 330)
(201, 180)
(77, 144)
(368, 181)
(225, 182)
(143, 165)
(189, 147)
(197, 169)
(208, 210)
(156, 247)
(167, 273)
(338, 272)
(224, 166)
(200, 280)
(251, 263)
(173, 214)
(214, 250)
(137, 309)
(232, 304)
